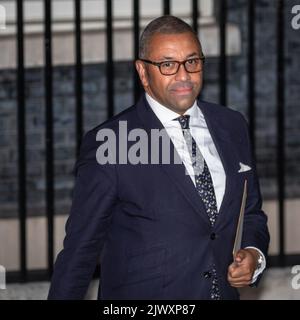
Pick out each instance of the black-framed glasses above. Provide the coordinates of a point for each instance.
(170, 67)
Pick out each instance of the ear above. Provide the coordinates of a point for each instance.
(141, 70)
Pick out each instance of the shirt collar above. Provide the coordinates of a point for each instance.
(165, 115)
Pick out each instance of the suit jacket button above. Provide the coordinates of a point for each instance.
(213, 236)
(207, 274)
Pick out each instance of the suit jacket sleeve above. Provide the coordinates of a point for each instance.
(255, 233)
(93, 200)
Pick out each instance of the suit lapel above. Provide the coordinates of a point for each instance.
(225, 146)
(182, 180)
(175, 172)
(226, 149)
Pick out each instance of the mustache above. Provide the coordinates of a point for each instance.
(182, 85)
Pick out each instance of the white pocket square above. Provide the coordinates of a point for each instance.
(244, 168)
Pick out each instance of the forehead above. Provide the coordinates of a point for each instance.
(173, 45)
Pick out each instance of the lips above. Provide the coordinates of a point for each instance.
(182, 91)
(182, 88)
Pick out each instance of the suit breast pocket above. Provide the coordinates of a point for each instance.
(145, 264)
(243, 176)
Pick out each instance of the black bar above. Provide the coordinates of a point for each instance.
(32, 275)
(280, 127)
(290, 260)
(78, 76)
(109, 60)
(22, 192)
(167, 7)
(251, 71)
(42, 275)
(195, 14)
(223, 58)
(49, 135)
(136, 31)
(38, 275)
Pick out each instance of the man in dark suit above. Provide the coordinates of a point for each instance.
(164, 230)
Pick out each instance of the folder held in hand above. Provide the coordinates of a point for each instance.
(239, 229)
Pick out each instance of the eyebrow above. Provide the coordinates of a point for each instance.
(187, 57)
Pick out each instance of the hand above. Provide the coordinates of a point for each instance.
(240, 272)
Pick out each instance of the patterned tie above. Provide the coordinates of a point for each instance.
(205, 188)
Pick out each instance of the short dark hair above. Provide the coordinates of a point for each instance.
(165, 25)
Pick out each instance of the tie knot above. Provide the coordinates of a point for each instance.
(184, 121)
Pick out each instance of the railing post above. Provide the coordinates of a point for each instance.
(109, 59)
(22, 168)
(49, 135)
(223, 57)
(281, 128)
(166, 7)
(136, 31)
(78, 76)
(251, 71)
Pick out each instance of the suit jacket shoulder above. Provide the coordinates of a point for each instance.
(231, 121)
(222, 113)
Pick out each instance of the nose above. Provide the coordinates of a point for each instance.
(182, 74)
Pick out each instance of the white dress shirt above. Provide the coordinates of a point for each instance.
(200, 133)
(204, 141)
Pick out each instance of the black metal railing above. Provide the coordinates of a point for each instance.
(251, 70)
(223, 56)
(109, 60)
(48, 80)
(281, 128)
(22, 195)
(78, 76)
(166, 9)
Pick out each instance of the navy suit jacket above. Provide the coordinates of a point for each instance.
(146, 223)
